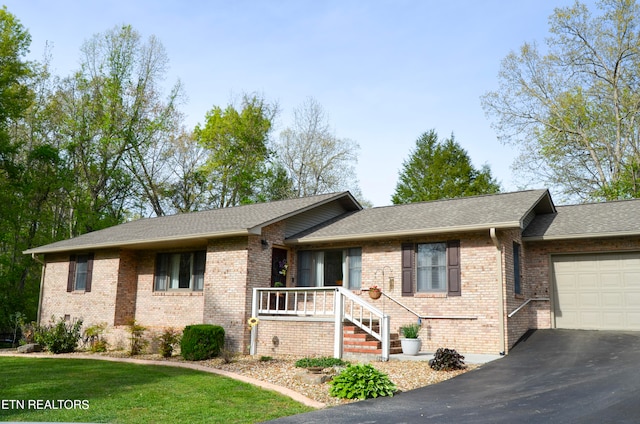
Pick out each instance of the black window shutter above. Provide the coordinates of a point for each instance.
(72, 273)
(89, 272)
(162, 267)
(407, 269)
(453, 268)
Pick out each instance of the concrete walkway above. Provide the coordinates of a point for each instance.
(470, 358)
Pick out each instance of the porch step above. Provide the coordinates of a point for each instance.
(356, 340)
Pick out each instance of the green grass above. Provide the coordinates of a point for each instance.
(131, 393)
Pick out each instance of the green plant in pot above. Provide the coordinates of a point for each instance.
(411, 343)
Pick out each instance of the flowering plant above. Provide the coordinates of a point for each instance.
(253, 321)
(283, 267)
(374, 288)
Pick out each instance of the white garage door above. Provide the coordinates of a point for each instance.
(597, 291)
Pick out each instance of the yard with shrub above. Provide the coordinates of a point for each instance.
(52, 389)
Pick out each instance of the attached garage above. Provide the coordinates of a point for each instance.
(597, 291)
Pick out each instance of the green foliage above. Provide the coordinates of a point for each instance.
(93, 337)
(441, 170)
(168, 340)
(571, 106)
(324, 362)
(361, 382)
(137, 343)
(237, 143)
(132, 393)
(201, 341)
(266, 358)
(60, 336)
(447, 360)
(410, 331)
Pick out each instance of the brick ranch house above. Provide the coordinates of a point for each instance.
(475, 272)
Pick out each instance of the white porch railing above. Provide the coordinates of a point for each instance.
(328, 302)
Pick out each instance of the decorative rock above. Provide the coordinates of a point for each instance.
(307, 378)
(29, 348)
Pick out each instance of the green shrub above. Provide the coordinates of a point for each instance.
(93, 337)
(410, 331)
(362, 382)
(201, 341)
(137, 342)
(59, 337)
(447, 360)
(168, 340)
(324, 362)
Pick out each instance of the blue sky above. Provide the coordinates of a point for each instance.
(385, 71)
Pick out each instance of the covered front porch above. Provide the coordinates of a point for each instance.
(316, 320)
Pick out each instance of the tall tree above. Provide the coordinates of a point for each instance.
(315, 159)
(574, 109)
(30, 171)
(115, 125)
(237, 143)
(441, 170)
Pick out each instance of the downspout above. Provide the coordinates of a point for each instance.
(501, 311)
(44, 267)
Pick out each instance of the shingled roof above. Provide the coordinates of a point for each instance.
(586, 221)
(506, 210)
(196, 226)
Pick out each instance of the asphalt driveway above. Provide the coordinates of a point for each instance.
(554, 376)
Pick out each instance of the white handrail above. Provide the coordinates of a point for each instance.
(429, 316)
(312, 301)
(515, 311)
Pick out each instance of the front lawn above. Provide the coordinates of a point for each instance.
(52, 389)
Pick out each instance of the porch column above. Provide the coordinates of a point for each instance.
(338, 312)
(254, 329)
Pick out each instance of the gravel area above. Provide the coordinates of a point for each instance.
(281, 370)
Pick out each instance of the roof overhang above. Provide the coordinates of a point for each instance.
(164, 242)
(399, 234)
(582, 236)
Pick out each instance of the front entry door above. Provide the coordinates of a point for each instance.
(279, 266)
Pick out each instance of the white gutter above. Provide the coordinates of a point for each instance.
(400, 234)
(136, 243)
(582, 236)
(499, 277)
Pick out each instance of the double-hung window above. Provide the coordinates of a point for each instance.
(431, 268)
(80, 273)
(333, 267)
(180, 271)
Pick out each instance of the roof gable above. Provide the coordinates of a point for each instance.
(198, 226)
(505, 210)
(588, 220)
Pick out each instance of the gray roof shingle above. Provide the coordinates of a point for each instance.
(587, 220)
(506, 210)
(196, 225)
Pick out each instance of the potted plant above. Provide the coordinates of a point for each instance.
(375, 292)
(411, 343)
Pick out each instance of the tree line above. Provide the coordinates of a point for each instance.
(108, 143)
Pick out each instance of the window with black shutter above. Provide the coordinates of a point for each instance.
(80, 273)
(435, 267)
